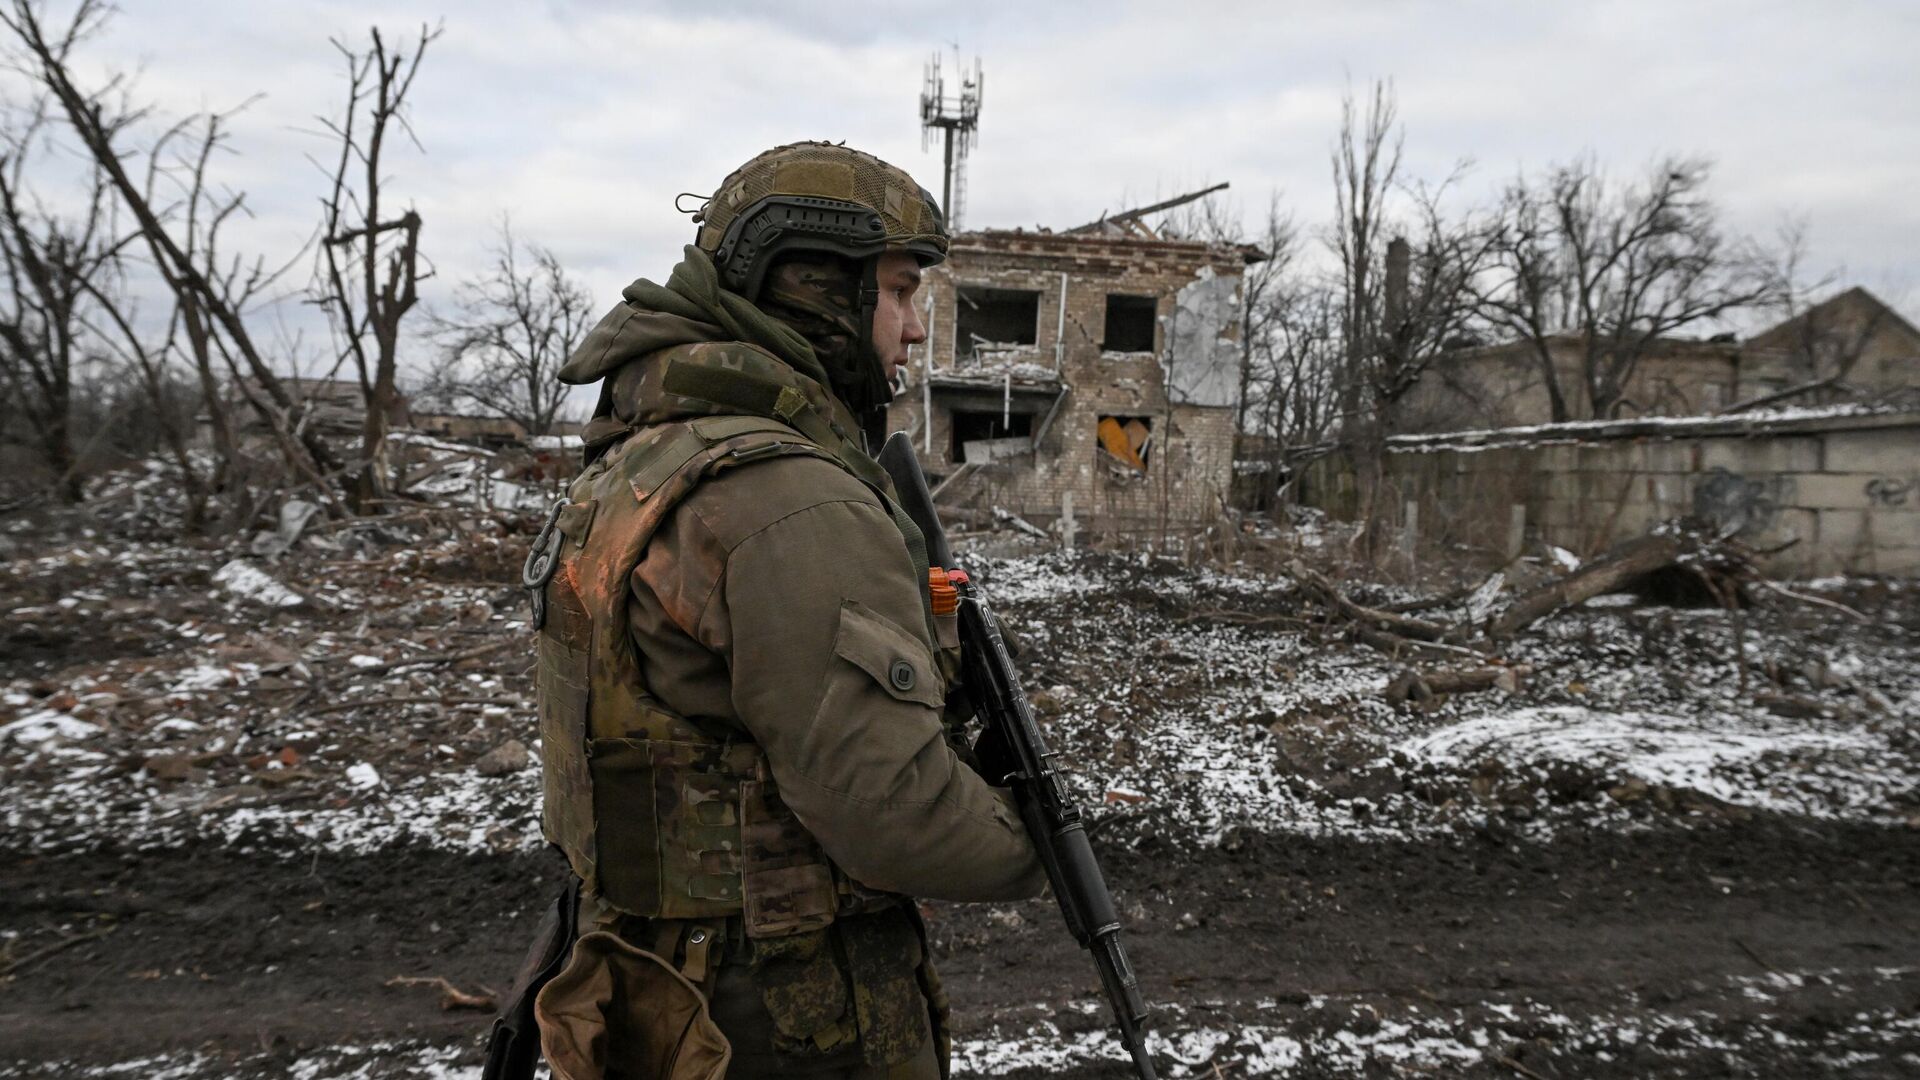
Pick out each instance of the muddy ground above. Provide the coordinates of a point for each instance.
(202, 881)
(1761, 944)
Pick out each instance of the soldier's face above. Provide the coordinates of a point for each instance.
(896, 319)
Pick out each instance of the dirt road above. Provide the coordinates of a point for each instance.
(1769, 947)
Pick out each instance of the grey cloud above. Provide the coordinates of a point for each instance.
(583, 120)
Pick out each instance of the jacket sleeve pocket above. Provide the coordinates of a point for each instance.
(898, 661)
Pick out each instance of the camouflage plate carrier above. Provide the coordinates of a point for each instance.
(661, 816)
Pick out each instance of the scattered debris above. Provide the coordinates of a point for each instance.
(245, 580)
(1425, 686)
(1635, 559)
(295, 514)
(1007, 517)
(451, 996)
(509, 757)
(387, 721)
(16, 966)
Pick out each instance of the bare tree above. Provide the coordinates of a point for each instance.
(1306, 355)
(1260, 288)
(1400, 300)
(366, 284)
(1428, 297)
(1824, 341)
(515, 326)
(1523, 293)
(48, 263)
(170, 404)
(1366, 165)
(214, 291)
(1617, 269)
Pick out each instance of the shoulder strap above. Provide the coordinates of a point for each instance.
(684, 453)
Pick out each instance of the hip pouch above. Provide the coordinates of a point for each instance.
(619, 1012)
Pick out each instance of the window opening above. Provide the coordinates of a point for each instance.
(988, 318)
(1130, 323)
(974, 427)
(1126, 443)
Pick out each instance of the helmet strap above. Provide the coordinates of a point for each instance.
(869, 400)
(869, 304)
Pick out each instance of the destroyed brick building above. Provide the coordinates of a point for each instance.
(1084, 380)
(1827, 486)
(337, 408)
(1850, 346)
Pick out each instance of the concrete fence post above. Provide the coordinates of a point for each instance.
(1410, 530)
(1516, 530)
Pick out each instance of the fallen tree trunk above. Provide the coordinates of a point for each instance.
(1609, 574)
(1413, 685)
(1329, 595)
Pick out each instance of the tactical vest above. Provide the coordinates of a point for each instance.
(661, 816)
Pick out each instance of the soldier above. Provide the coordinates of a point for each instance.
(742, 681)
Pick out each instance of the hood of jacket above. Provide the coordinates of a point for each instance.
(690, 308)
(689, 348)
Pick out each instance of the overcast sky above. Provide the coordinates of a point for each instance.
(583, 119)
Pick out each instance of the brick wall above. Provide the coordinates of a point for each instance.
(1190, 460)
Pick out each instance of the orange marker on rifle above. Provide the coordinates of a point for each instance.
(940, 586)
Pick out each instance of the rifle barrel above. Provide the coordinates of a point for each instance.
(1051, 818)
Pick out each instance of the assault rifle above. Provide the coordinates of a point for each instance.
(1014, 754)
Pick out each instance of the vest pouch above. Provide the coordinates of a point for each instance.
(619, 1012)
(789, 886)
(668, 821)
(567, 819)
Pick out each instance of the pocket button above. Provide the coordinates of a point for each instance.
(902, 675)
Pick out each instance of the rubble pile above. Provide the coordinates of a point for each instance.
(155, 693)
(1200, 704)
(366, 689)
(1280, 801)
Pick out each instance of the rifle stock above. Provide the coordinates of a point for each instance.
(1016, 756)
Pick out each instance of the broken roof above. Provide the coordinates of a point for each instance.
(1851, 307)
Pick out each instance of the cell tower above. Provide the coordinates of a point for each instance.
(958, 118)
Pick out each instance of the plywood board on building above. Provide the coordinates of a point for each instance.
(982, 451)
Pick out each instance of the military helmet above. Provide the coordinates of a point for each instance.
(815, 196)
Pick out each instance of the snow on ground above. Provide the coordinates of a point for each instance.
(1839, 769)
(416, 1061)
(1172, 715)
(451, 810)
(246, 580)
(1335, 1036)
(1445, 1041)
(1191, 703)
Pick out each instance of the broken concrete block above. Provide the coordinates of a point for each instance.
(509, 757)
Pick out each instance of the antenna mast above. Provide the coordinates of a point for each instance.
(958, 118)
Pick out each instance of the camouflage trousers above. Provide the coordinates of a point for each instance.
(739, 1007)
(857, 999)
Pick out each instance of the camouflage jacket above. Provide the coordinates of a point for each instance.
(759, 606)
(779, 607)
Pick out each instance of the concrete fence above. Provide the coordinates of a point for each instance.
(1835, 491)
